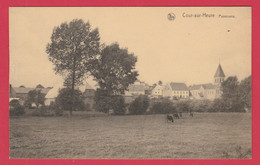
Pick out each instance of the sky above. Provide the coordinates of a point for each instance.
(185, 49)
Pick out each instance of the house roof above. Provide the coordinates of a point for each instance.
(158, 87)
(209, 86)
(53, 92)
(205, 86)
(178, 86)
(22, 90)
(219, 72)
(195, 87)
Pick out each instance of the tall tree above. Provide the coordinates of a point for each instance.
(73, 48)
(115, 69)
(230, 94)
(160, 82)
(230, 87)
(245, 92)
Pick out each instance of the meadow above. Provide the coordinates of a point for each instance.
(204, 136)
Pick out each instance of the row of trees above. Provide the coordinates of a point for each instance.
(236, 97)
(76, 52)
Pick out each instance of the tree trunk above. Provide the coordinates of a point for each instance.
(72, 86)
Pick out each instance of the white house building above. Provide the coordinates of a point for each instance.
(136, 89)
(157, 91)
(176, 90)
(203, 91)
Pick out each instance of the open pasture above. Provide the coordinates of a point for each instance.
(204, 136)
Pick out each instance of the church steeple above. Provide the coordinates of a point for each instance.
(219, 75)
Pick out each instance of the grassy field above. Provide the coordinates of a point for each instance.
(205, 136)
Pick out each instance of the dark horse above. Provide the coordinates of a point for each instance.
(175, 115)
(169, 118)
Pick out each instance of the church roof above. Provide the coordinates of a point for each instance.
(219, 72)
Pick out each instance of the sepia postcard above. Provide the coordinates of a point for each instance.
(130, 83)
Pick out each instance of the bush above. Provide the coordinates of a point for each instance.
(43, 111)
(87, 107)
(118, 105)
(65, 102)
(16, 110)
(102, 101)
(200, 105)
(58, 111)
(182, 106)
(105, 102)
(14, 103)
(139, 105)
(162, 106)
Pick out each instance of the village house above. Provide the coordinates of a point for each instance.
(176, 90)
(138, 88)
(21, 93)
(135, 90)
(203, 91)
(157, 91)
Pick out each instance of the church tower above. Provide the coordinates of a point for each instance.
(219, 76)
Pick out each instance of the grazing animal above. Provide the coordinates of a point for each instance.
(169, 118)
(175, 115)
(191, 114)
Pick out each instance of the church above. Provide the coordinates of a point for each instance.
(209, 91)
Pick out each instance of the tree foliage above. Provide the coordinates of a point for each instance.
(236, 96)
(230, 87)
(73, 48)
(106, 102)
(115, 69)
(139, 105)
(118, 105)
(245, 92)
(102, 101)
(163, 106)
(65, 102)
(35, 96)
(15, 109)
